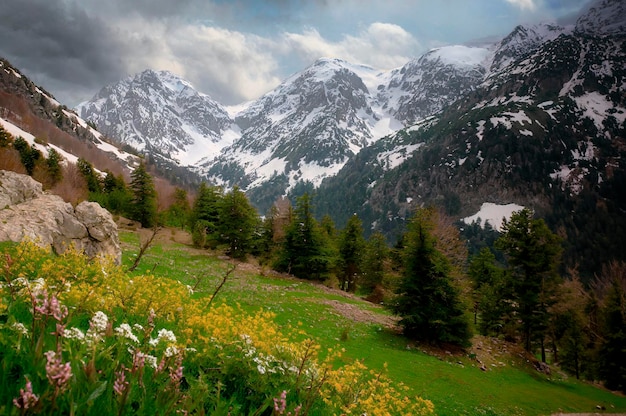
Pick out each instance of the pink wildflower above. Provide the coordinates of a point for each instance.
(58, 373)
(139, 360)
(281, 404)
(151, 317)
(176, 374)
(120, 385)
(26, 400)
(49, 305)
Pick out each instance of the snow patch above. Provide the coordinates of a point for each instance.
(15, 131)
(493, 214)
(596, 107)
(481, 130)
(394, 158)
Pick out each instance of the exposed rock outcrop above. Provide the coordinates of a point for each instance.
(27, 212)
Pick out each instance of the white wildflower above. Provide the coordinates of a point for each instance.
(261, 369)
(99, 322)
(138, 328)
(37, 286)
(20, 328)
(74, 333)
(164, 335)
(125, 331)
(151, 360)
(171, 351)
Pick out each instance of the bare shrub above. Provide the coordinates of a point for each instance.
(73, 187)
(10, 160)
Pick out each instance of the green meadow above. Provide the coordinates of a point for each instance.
(453, 380)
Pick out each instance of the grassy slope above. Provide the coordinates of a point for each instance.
(455, 384)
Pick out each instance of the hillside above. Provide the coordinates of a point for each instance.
(547, 132)
(27, 110)
(454, 381)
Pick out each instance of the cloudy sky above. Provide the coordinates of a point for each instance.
(237, 50)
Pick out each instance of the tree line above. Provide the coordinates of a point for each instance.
(512, 289)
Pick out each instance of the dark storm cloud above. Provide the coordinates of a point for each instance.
(60, 47)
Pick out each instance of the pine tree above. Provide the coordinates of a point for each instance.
(144, 207)
(533, 253)
(373, 261)
(53, 163)
(491, 295)
(427, 301)
(351, 245)
(304, 253)
(613, 348)
(237, 223)
(89, 173)
(205, 215)
(28, 155)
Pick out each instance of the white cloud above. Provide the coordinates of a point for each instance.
(230, 66)
(523, 4)
(381, 45)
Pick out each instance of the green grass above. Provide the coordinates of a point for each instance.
(455, 384)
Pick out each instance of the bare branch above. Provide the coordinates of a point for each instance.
(144, 247)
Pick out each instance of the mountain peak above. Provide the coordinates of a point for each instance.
(458, 55)
(603, 17)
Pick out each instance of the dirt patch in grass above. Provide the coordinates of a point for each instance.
(357, 314)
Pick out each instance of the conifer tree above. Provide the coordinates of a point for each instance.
(28, 155)
(237, 222)
(115, 195)
(144, 207)
(205, 215)
(613, 348)
(53, 163)
(304, 253)
(533, 253)
(373, 261)
(491, 295)
(89, 173)
(427, 301)
(351, 245)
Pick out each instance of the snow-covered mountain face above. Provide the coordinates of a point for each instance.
(546, 131)
(302, 131)
(522, 41)
(603, 17)
(158, 112)
(307, 128)
(426, 85)
(28, 111)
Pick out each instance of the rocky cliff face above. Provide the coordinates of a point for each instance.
(26, 212)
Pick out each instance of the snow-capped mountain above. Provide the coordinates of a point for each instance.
(603, 17)
(426, 85)
(522, 41)
(159, 112)
(305, 129)
(546, 131)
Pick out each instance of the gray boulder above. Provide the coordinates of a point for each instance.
(27, 212)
